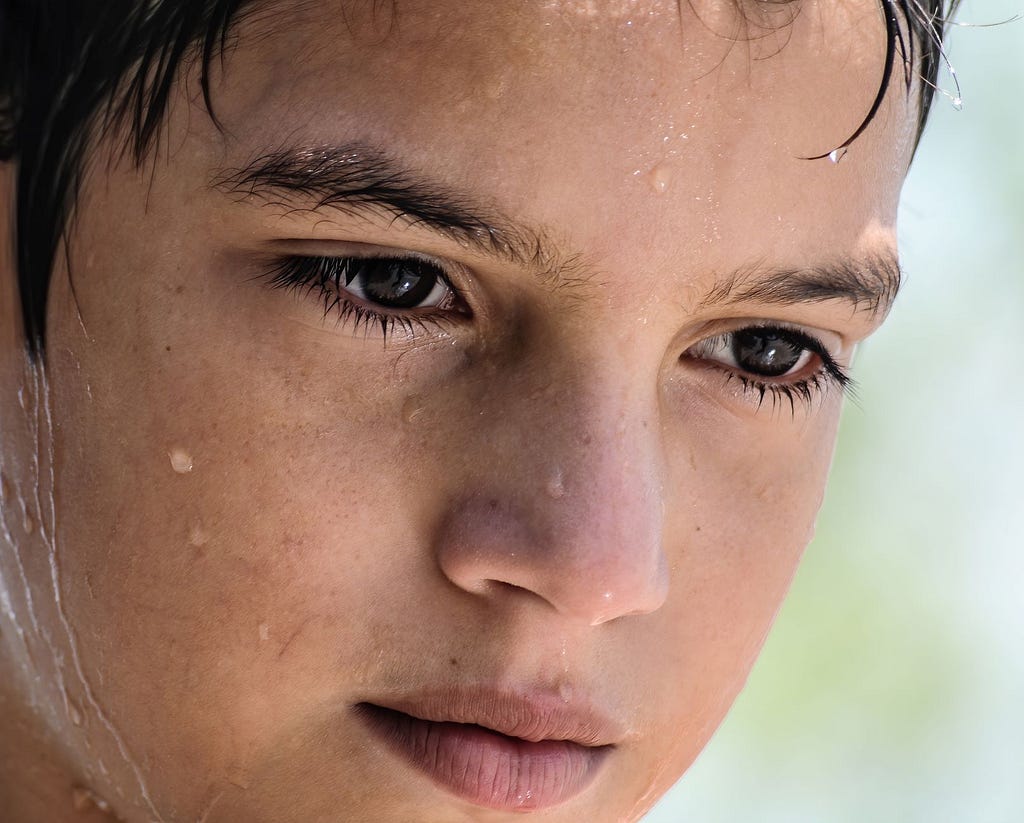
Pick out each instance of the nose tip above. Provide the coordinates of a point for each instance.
(590, 560)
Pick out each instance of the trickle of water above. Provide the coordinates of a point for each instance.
(565, 692)
(837, 154)
(659, 178)
(28, 522)
(412, 408)
(74, 713)
(181, 460)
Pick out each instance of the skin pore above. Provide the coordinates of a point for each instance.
(230, 518)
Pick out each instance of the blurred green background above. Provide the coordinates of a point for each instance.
(892, 687)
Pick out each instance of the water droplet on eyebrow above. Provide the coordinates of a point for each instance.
(837, 154)
(181, 460)
(659, 178)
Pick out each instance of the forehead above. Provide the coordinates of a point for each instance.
(688, 122)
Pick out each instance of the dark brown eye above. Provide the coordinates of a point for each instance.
(397, 283)
(766, 352)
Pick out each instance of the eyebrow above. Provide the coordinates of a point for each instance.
(355, 177)
(869, 283)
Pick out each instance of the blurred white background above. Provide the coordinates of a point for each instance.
(892, 688)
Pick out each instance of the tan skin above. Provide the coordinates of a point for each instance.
(261, 517)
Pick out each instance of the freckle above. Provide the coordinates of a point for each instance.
(181, 460)
(167, 348)
(453, 661)
(698, 528)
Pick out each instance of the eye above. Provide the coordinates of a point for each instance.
(763, 352)
(398, 283)
(777, 361)
(393, 294)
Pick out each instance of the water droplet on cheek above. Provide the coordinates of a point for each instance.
(412, 408)
(181, 460)
(837, 154)
(197, 536)
(264, 630)
(84, 800)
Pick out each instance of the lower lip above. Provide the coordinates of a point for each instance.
(484, 767)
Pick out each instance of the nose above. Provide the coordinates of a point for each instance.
(567, 509)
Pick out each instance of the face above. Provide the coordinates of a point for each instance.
(436, 440)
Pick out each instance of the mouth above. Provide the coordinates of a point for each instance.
(494, 750)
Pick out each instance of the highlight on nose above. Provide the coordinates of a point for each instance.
(587, 565)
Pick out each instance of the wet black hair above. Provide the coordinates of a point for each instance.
(74, 71)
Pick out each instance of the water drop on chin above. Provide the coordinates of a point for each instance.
(555, 486)
(837, 154)
(181, 460)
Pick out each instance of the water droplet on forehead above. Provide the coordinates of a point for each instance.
(837, 154)
(660, 178)
(181, 460)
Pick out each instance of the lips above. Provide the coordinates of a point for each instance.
(494, 749)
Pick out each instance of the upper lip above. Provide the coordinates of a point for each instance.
(529, 715)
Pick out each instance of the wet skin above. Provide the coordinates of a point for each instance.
(548, 489)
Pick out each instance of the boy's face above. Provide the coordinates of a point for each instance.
(547, 504)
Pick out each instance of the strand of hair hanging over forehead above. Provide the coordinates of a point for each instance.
(75, 71)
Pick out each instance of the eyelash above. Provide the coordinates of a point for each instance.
(805, 391)
(328, 277)
(325, 276)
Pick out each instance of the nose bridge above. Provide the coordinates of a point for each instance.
(569, 505)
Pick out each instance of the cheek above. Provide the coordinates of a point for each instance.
(740, 508)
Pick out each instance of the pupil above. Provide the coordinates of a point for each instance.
(764, 352)
(398, 284)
